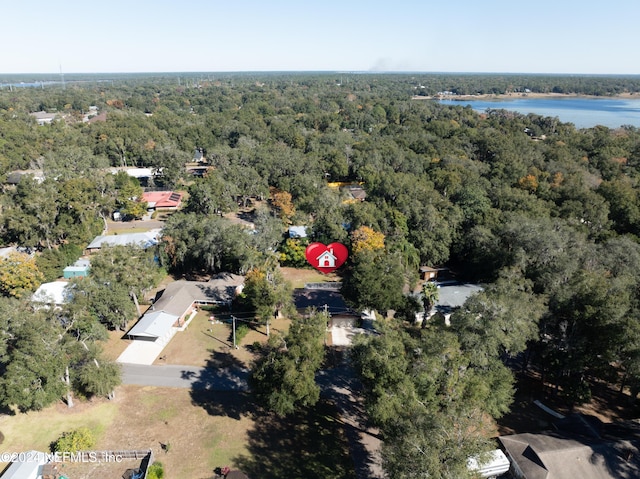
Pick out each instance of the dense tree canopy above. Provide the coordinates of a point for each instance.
(544, 215)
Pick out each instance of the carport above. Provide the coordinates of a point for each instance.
(152, 327)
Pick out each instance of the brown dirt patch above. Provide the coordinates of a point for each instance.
(607, 404)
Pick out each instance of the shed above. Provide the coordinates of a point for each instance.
(428, 273)
(79, 269)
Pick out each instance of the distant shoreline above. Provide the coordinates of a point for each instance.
(513, 96)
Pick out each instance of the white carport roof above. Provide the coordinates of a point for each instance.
(153, 325)
(29, 468)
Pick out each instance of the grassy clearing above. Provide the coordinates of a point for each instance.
(37, 430)
(115, 345)
(202, 339)
(204, 429)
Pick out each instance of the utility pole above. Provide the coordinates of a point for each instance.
(233, 320)
(326, 314)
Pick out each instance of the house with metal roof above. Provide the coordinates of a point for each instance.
(177, 303)
(55, 293)
(145, 240)
(167, 200)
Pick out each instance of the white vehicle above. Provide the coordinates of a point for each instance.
(494, 464)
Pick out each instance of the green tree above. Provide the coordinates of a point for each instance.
(30, 218)
(500, 320)
(428, 399)
(430, 295)
(129, 198)
(374, 280)
(51, 262)
(211, 195)
(99, 378)
(292, 252)
(108, 302)
(129, 266)
(267, 293)
(34, 366)
(284, 379)
(19, 275)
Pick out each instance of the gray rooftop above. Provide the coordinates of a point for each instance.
(554, 456)
(180, 295)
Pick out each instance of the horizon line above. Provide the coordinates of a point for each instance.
(355, 72)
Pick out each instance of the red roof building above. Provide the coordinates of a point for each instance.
(162, 199)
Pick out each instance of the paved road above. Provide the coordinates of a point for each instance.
(341, 386)
(338, 384)
(176, 376)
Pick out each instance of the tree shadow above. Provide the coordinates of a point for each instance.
(222, 387)
(342, 388)
(309, 444)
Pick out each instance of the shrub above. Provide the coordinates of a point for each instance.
(155, 471)
(80, 439)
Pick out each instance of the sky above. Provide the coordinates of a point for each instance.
(559, 36)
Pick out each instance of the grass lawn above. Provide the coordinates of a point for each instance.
(36, 430)
(204, 429)
(115, 345)
(202, 339)
(141, 418)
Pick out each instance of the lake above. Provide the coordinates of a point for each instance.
(582, 112)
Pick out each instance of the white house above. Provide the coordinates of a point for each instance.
(145, 240)
(56, 293)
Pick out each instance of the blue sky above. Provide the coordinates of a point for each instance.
(560, 36)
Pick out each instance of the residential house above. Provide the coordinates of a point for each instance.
(138, 173)
(355, 193)
(589, 451)
(44, 118)
(14, 177)
(179, 301)
(297, 232)
(145, 240)
(162, 200)
(96, 118)
(53, 294)
(28, 466)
